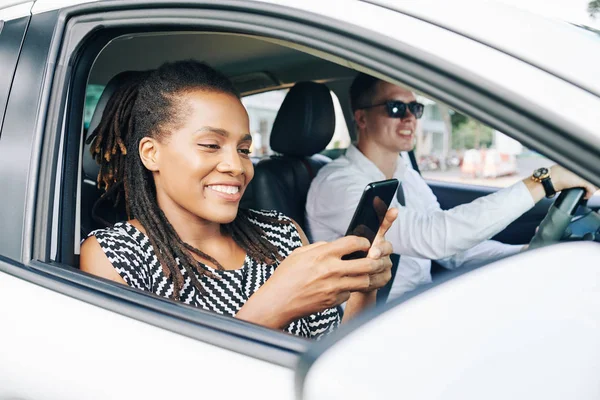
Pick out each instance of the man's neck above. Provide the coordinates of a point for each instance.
(383, 158)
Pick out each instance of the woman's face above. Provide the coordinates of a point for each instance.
(202, 166)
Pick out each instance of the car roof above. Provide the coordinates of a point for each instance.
(541, 41)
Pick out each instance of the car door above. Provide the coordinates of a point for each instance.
(522, 338)
(67, 334)
(13, 23)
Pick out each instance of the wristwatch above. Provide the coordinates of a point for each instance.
(542, 175)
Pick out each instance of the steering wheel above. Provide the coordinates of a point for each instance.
(561, 224)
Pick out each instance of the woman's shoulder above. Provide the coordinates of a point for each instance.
(121, 230)
(276, 224)
(120, 236)
(270, 215)
(129, 252)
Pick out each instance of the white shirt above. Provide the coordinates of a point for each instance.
(422, 231)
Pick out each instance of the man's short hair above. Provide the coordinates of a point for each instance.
(362, 90)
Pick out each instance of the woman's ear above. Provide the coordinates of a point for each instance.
(149, 153)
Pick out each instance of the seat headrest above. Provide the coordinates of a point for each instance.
(90, 167)
(305, 122)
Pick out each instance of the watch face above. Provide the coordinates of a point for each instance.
(538, 173)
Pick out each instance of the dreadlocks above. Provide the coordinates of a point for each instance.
(145, 107)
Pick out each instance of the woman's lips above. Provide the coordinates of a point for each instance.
(226, 192)
(405, 132)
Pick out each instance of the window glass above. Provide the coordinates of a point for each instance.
(92, 95)
(452, 147)
(262, 109)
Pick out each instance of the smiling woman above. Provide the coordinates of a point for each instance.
(176, 141)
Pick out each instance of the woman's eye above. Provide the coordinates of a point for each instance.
(244, 151)
(209, 146)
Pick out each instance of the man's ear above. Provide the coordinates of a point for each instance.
(149, 153)
(359, 118)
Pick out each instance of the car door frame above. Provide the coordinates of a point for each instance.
(321, 34)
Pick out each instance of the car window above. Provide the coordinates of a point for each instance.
(92, 95)
(453, 147)
(262, 109)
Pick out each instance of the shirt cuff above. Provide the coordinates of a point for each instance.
(521, 192)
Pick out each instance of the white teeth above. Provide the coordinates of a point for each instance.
(406, 132)
(225, 189)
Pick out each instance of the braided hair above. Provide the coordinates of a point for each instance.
(144, 107)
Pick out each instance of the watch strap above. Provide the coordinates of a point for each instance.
(548, 187)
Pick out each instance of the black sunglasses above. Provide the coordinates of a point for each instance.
(397, 109)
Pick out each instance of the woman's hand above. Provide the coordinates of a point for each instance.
(381, 250)
(313, 278)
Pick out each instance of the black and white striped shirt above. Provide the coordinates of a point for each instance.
(133, 257)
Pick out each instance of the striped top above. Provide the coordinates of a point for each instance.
(133, 257)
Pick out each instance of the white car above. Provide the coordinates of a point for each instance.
(525, 327)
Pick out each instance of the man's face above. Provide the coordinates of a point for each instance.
(374, 124)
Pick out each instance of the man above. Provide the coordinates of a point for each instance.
(386, 119)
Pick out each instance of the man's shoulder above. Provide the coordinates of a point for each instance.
(338, 168)
(338, 178)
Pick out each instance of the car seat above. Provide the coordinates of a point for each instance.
(303, 127)
(96, 213)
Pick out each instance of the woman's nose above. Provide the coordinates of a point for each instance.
(231, 163)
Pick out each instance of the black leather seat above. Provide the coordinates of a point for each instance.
(94, 214)
(303, 127)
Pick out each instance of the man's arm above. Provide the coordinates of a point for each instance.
(436, 234)
(433, 234)
(481, 254)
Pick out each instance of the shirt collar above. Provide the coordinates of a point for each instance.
(367, 166)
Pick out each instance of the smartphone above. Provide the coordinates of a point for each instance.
(369, 214)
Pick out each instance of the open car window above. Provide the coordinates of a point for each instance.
(452, 147)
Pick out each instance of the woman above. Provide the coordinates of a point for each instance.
(178, 139)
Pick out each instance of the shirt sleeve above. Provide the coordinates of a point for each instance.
(125, 255)
(323, 323)
(438, 234)
(483, 253)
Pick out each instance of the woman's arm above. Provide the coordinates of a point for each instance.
(358, 301)
(94, 261)
(312, 279)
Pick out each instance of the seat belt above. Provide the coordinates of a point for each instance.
(384, 292)
(413, 161)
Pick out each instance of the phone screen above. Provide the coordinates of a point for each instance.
(369, 214)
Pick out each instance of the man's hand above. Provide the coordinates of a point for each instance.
(562, 179)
